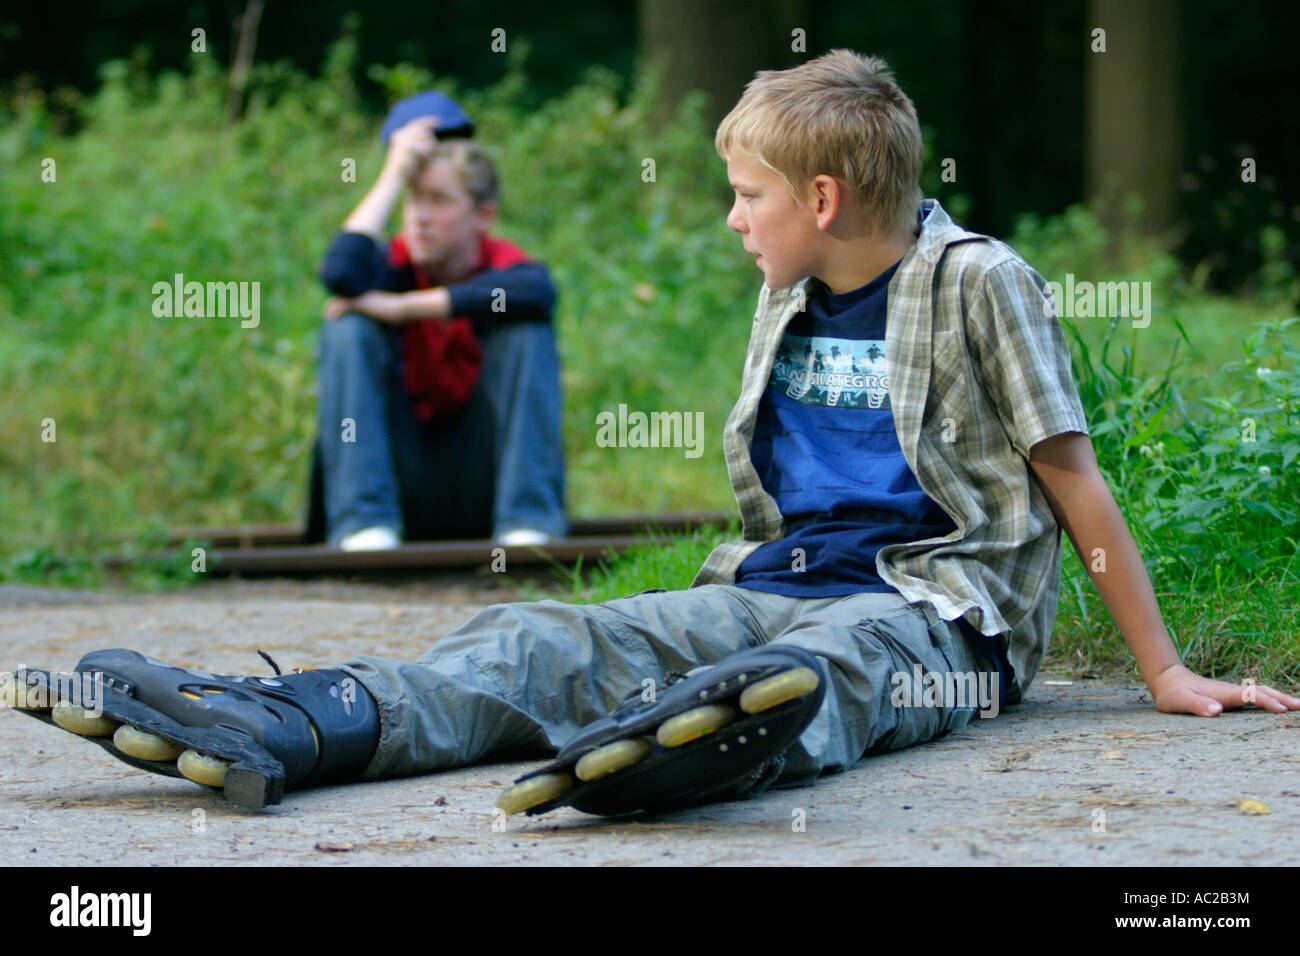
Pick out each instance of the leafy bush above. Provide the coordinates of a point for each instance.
(1222, 478)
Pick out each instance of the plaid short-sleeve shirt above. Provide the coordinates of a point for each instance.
(979, 372)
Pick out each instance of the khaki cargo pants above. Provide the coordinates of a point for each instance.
(527, 676)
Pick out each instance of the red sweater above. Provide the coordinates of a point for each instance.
(442, 358)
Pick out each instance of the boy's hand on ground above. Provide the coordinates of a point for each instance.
(1179, 691)
(384, 306)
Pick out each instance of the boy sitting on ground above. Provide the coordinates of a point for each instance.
(439, 408)
(907, 446)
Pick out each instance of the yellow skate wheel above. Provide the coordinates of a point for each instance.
(143, 745)
(81, 721)
(203, 769)
(534, 791)
(693, 724)
(23, 697)
(611, 757)
(766, 694)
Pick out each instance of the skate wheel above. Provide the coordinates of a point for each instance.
(766, 694)
(693, 724)
(534, 791)
(143, 745)
(203, 769)
(20, 697)
(611, 757)
(81, 721)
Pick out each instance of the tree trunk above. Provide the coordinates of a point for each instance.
(717, 46)
(1132, 109)
(243, 59)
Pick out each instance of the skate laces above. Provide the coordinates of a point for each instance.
(276, 667)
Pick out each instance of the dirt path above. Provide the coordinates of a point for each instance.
(1078, 774)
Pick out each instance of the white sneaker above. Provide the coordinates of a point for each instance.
(378, 538)
(523, 536)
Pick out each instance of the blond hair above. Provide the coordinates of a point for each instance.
(841, 114)
(473, 165)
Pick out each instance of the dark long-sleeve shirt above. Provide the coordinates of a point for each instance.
(355, 263)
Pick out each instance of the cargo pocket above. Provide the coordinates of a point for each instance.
(903, 717)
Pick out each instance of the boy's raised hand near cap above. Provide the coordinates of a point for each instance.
(410, 145)
(408, 148)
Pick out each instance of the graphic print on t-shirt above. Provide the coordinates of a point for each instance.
(838, 373)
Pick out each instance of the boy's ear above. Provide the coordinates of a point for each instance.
(826, 197)
(487, 214)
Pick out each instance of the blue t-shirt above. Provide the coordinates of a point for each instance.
(826, 449)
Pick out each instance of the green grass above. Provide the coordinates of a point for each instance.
(652, 563)
(1216, 517)
(164, 422)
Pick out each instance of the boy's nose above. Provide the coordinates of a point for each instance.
(734, 221)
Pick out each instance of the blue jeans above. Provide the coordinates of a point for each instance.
(528, 676)
(494, 466)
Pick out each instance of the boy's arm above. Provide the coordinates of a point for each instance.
(356, 263)
(1066, 467)
(393, 307)
(520, 293)
(408, 147)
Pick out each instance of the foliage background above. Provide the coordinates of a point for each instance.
(198, 421)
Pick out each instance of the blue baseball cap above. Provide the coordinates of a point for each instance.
(452, 120)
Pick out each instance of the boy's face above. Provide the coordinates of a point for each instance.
(440, 221)
(780, 231)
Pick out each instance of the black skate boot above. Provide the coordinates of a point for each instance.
(716, 734)
(250, 737)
